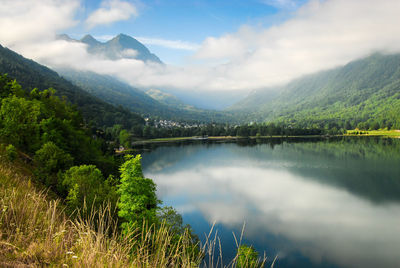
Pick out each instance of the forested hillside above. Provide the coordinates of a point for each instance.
(113, 91)
(363, 93)
(33, 75)
(167, 99)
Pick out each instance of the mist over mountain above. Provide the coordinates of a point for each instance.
(154, 103)
(124, 46)
(365, 90)
(166, 98)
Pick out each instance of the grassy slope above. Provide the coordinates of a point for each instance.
(34, 231)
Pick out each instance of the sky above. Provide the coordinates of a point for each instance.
(174, 29)
(210, 48)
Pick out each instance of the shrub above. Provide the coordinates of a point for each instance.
(11, 153)
(84, 183)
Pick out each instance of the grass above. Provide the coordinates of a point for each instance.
(35, 232)
(380, 132)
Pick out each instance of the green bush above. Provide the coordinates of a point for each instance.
(11, 153)
(84, 183)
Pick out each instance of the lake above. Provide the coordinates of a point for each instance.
(311, 202)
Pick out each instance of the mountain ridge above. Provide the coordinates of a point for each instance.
(364, 90)
(117, 92)
(120, 46)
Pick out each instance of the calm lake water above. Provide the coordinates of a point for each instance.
(314, 203)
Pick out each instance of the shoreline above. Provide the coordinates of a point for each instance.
(224, 138)
(373, 133)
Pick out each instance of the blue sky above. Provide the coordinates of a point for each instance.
(190, 22)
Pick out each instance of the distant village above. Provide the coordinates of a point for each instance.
(170, 124)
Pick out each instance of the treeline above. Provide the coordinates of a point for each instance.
(228, 130)
(340, 124)
(124, 137)
(75, 162)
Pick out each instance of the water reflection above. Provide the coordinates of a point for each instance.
(332, 201)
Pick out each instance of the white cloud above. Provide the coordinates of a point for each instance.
(28, 22)
(174, 44)
(129, 53)
(341, 228)
(320, 35)
(111, 11)
(104, 38)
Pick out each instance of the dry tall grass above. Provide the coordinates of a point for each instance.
(35, 232)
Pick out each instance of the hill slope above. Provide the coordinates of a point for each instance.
(33, 75)
(167, 99)
(116, 92)
(365, 91)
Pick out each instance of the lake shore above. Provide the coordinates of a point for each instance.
(385, 133)
(350, 133)
(220, 138)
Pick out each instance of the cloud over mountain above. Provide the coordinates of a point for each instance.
(319, 35)
(111, 11)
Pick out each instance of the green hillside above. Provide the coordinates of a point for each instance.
(33, 75)
(167, 99)
(364, 93)
(113, 91)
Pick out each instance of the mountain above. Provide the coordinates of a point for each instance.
(113, 91)
(167, 99)
(155, 104)
(89, 40)
(33, 75)
(121, 46)
(116, 92)
(365, 91)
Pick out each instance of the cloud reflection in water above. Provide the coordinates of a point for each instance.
(321, 221)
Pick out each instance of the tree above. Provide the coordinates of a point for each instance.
(125, 138)
(84, 183)
(147, 132)
(138, 200)
(19, 122)
(50, 160)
